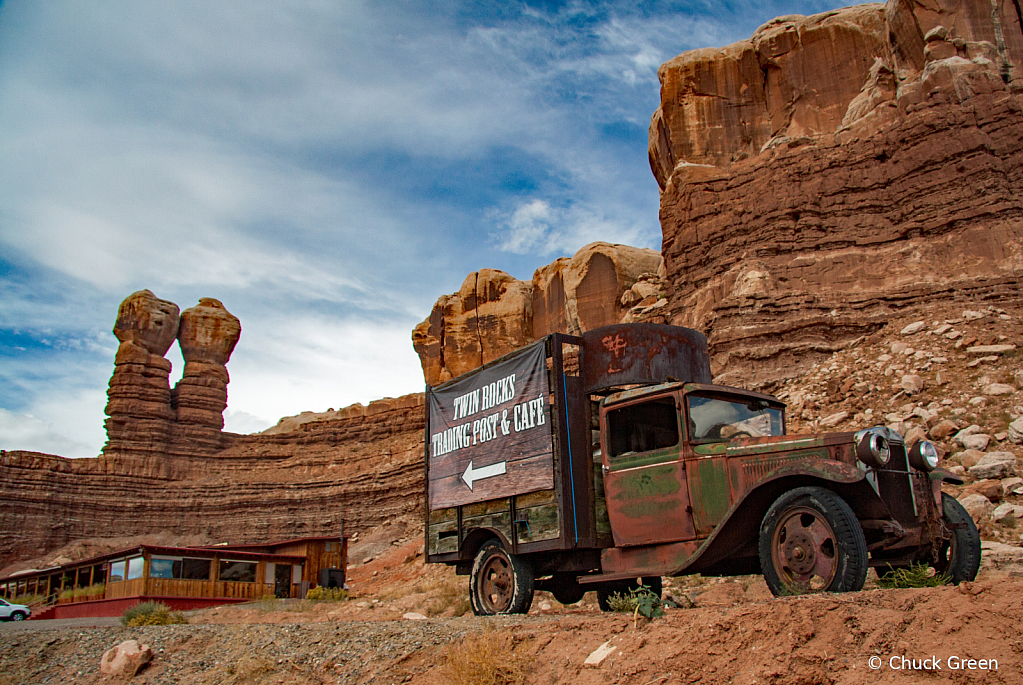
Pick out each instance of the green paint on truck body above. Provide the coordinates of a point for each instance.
(710, 492)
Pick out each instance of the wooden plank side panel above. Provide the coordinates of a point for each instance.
(522, 475)
(125, 588)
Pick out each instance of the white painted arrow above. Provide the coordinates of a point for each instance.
(472, 475)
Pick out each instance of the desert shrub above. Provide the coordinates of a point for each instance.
(452, 595)
(27, 600)
(151, 614)
(250, 670)
(66, 594)
(639, 601)
(917, 575)
(486, 658)
(327, 594)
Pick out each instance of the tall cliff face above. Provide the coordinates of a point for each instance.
(834, 169)
(493, 314)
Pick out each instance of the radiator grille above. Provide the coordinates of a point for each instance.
(896, 489)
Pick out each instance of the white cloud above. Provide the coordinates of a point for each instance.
(26, 432)
(302, 363)
(536, 227)
(527, 227)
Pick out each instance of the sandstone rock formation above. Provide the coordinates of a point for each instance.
(834, 169)
(493, 314)
(148, 421)
(141, 419)
(207, 336)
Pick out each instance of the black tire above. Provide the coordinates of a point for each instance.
(18, 616)
(959, 557)
(811, 541)
(500, 583)
(568, 592)
(623, 587)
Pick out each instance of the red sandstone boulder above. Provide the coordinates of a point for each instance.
(126, 659)
(148, 322)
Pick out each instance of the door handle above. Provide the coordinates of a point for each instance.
(604, 469)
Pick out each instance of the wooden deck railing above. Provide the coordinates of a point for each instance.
(172, 587)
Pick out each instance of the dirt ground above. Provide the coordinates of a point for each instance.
(400, 627)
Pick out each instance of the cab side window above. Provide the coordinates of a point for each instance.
(643, 427)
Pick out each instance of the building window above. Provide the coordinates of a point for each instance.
(179, 568)
(238, 571)
(135, 566)
(116, 571)
(164, 568)
(195, 569)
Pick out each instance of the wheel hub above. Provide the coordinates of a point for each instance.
(798, 553)
(497, 584)
(804, 550)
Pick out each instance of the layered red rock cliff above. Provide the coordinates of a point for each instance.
(834, 169)
(362, 467)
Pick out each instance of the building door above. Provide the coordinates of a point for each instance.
(282, 580)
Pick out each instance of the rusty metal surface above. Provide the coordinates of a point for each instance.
(643, 354)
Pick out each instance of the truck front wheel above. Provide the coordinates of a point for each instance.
(811, 541)
(500, 583)
(960, 556)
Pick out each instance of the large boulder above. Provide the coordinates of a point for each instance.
(125, 660)
(995, 465)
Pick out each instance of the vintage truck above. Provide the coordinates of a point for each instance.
(601, 461)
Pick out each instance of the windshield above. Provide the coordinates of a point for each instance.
(715, 418)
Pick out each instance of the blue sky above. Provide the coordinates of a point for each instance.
(325, 169)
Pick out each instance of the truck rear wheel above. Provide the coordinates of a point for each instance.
(500, 583)
(959, 557)
(811, 541)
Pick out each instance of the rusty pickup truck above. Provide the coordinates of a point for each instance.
(608, 460)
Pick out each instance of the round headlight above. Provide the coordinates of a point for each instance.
(924, 456)
(873, 449)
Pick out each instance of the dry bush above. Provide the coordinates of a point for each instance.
(486, 658)
(151, 614)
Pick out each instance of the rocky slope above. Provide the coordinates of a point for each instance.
(837, 170)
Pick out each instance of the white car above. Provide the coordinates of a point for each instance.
(13, 612)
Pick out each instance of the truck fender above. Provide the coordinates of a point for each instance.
(941, 475)
(475, 539)
(739, 529)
